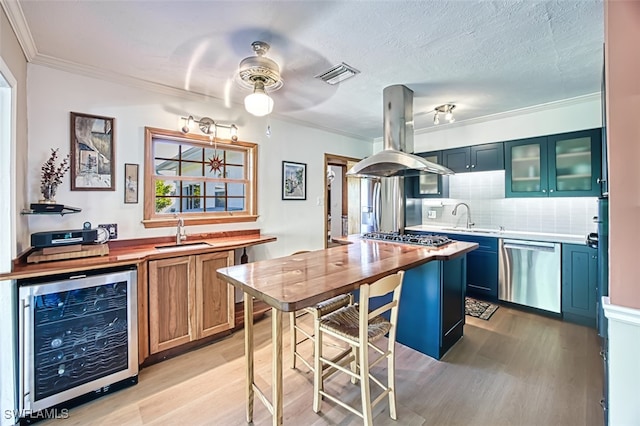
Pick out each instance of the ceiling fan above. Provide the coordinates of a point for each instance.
(260, 74)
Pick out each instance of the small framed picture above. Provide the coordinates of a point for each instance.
(294, 181)
(130, 183)
(92, 153)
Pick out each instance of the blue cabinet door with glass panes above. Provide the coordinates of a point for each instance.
(526, 167)
(428, 185)
(574, 164)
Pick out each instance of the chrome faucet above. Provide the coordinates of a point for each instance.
(455, 211)
(181, 234)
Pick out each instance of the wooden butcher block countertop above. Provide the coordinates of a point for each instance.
(135, 251)
(294, 282)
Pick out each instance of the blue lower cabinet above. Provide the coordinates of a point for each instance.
(482, 267)
(431, 316)
(579, 281)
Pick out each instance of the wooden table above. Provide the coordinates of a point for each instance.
(294, 282)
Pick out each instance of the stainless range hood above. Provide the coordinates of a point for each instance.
(396, 158)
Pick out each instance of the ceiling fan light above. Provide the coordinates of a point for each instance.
(258, 103)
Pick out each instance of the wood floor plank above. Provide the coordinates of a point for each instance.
(518, 368)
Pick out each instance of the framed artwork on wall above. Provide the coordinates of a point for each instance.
(92, 153)
(294, 181)
(130, 183)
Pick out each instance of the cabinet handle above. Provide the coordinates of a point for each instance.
(473, 166)
(551, 190)
(467, 166)
(544, 190)
(600, 180)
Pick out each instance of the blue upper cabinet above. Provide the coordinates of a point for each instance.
(574, 163)
(477, 158)
(427, 185)
(562, 165)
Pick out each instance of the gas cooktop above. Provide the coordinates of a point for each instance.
(421, 240)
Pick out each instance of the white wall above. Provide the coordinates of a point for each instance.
(53, 94)
(558, 117)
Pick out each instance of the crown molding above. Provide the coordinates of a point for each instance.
(14, 13)
(514, 113)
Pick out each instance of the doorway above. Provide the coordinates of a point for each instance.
(341, 199)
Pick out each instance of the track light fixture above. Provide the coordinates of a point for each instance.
(209, 127)
(447, 110)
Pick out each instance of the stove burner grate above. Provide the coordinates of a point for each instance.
(428, 240)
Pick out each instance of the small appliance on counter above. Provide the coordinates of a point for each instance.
(68, 244)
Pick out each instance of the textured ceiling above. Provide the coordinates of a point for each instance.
(486, 57)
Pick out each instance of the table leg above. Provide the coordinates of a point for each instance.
(248, 352)
(276, 335)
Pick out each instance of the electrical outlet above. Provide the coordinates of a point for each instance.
(431, 214)
(112, 229)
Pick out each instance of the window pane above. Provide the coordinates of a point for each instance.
(235, 189)
(215, 189)
(234, 172)
(235, 157)
(166, 167)
(167, 187)
(216, 204)
(235, 204)
(166, 150)
(192, 204)
(190, 189)
(191, 169)
(191, 153)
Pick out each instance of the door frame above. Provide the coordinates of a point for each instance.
(333, 160)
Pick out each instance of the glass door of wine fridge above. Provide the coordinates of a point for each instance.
(78, 335)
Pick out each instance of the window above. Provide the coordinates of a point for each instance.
(200, 180)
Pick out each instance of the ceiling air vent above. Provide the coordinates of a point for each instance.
(337, 73)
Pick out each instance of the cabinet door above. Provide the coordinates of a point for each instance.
(428, 185)
(526, 167)
(171, 298)
(579, 280)
(215, 302)
(489, 156)
(458, 159)
(574, 164)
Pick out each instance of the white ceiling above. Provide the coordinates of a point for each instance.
(486, 57)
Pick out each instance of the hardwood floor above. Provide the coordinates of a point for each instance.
(517, 368)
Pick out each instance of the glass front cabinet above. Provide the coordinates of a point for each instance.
(562, 165)
(428, 185)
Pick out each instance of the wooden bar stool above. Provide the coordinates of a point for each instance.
(323, 308)
(359, 328)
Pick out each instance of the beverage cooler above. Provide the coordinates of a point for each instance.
(77, 338)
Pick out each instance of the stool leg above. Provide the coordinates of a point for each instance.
(391, 383)
(294, 338)
(248, 353)
(364, 383)
(317, 367)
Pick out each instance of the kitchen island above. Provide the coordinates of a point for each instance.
(294, 282)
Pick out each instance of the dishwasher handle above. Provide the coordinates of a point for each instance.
(529, 245)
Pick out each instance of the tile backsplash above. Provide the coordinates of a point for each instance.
(484, 193)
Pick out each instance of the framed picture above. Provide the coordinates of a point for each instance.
(130, 183)
(294, 181)
(92, 153)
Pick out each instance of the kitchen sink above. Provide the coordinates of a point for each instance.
(192, 245)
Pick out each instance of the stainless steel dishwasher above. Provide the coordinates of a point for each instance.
(529, 273)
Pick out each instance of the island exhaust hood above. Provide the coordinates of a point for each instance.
(396, 158)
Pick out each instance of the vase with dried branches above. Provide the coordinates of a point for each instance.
(52, 174)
